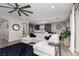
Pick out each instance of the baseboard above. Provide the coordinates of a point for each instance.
(76, 50)
(72, 51)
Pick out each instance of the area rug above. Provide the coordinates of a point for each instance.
(20, 49)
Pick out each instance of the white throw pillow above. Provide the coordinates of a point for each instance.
(54, 38)
(46, 34)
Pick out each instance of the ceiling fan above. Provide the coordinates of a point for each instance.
(19, 9)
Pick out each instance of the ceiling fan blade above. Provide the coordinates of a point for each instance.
(10, 5)
(16, 5)
(12, 11)
(19, 13)
(24, 13)
(28, 6)
(27, 11)
(6, 7)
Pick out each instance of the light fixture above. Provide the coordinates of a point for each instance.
(52, 7)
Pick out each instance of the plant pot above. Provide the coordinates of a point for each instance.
(67, 42)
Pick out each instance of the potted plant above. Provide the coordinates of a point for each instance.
(65, 36)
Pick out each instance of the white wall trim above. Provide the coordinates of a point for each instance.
(72, 28)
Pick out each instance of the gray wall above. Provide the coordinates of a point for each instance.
(55, 29)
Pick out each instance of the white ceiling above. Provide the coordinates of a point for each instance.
(43, 13)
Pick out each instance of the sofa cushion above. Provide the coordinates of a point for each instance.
(44, 47)
(40, 35)
(54, 38)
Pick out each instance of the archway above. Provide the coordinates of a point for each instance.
(4, 29)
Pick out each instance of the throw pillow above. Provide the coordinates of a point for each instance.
(54, 38)
(32, 35)
(47, 37)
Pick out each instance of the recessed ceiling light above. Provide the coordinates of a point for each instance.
(52, 7)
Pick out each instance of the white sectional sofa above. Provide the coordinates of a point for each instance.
(39, 37)
(44, 49)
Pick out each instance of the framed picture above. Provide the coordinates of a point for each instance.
(58, 26)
